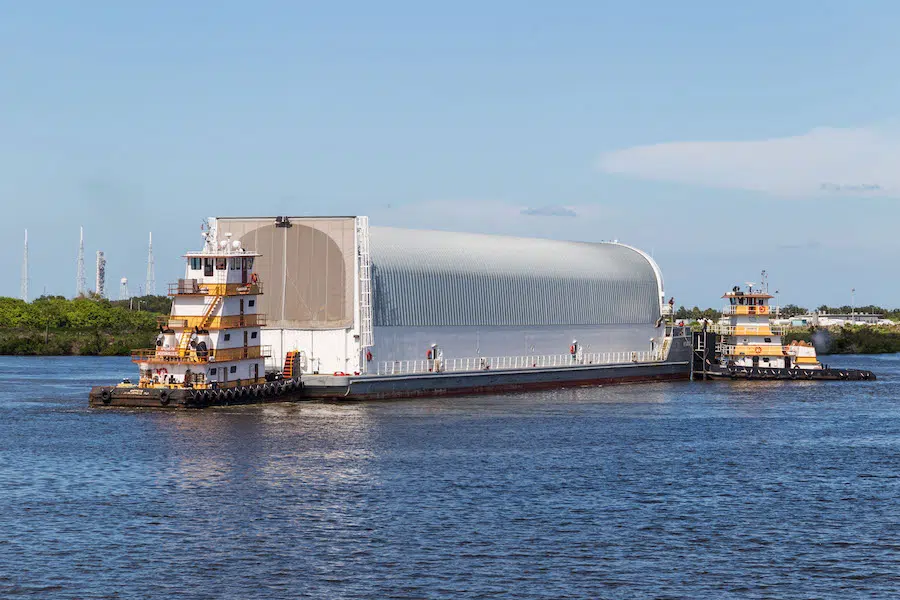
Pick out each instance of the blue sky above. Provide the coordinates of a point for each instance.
(724, 139)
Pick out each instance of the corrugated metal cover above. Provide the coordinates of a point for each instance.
(435, 278)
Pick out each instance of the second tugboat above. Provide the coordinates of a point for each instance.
(749, 347)
(208, 349)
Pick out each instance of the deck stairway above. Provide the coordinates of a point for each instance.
(185, 340)
(290, 364)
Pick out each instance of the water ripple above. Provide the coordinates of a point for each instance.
(665, 491)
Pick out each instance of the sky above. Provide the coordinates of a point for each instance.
(722, 138)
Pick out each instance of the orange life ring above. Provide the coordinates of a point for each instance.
(758, 350)
(368, 355)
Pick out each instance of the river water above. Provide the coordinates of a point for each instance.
(675, 490)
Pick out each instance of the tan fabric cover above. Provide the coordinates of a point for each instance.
(306, 270)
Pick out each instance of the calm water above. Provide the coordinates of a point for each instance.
(672, 490)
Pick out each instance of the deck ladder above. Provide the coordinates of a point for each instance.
(290, 364)
(185, 340)
(366, 338)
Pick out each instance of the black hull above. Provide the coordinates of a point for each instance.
(766, 374)
(135, 397)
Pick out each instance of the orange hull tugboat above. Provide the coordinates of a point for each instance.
(208, 350)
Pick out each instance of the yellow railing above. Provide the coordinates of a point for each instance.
(750, 350)
(748, 329)
(747, 310)
(231, 321)
(170, 355)
(190, 287)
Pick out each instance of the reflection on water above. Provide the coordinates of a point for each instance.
(713, 490)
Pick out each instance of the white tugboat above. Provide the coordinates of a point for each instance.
(208, 349)
(749, 347)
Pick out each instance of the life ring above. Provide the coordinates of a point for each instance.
(105, 396)
(757, 350)
(164, 397)
(368, 356)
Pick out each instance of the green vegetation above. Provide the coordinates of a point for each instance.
(792, 310)
(849, 339)
(55, 326)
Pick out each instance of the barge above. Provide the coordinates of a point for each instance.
(355, 314)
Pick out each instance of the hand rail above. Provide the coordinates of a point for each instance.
(190, 287)
(748, 329)
(245, 320)
(170, 355)
(484, 363)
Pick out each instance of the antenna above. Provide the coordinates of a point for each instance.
(123, 288)
(764, 279)
(80, 286)
(101, 274)
(150, 286)
(25, 269)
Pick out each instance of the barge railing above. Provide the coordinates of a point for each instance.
(486, 363)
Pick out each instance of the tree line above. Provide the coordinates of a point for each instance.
(58, 312)
(791, 310)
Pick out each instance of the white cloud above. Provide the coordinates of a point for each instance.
(824, 161)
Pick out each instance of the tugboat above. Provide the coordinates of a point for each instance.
(749, 347)
(208, 349)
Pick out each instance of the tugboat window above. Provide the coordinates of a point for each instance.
(251, 303)
(196, 263)
(212, 372)
(207, 267)
(232, 370)
(227, 336)
(220, 264)
(253, 335)
(768, 340)
(235, 264)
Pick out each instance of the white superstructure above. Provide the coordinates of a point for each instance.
(212, 337)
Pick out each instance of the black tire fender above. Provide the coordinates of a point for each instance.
(164, 397)
(106, 396)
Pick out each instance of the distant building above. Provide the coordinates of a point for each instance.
(838, 320)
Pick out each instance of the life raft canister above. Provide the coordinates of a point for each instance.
(572, 349)
(254, 278)
(428, 354)
(368, 355)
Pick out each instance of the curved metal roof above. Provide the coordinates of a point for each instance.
(437, 278)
